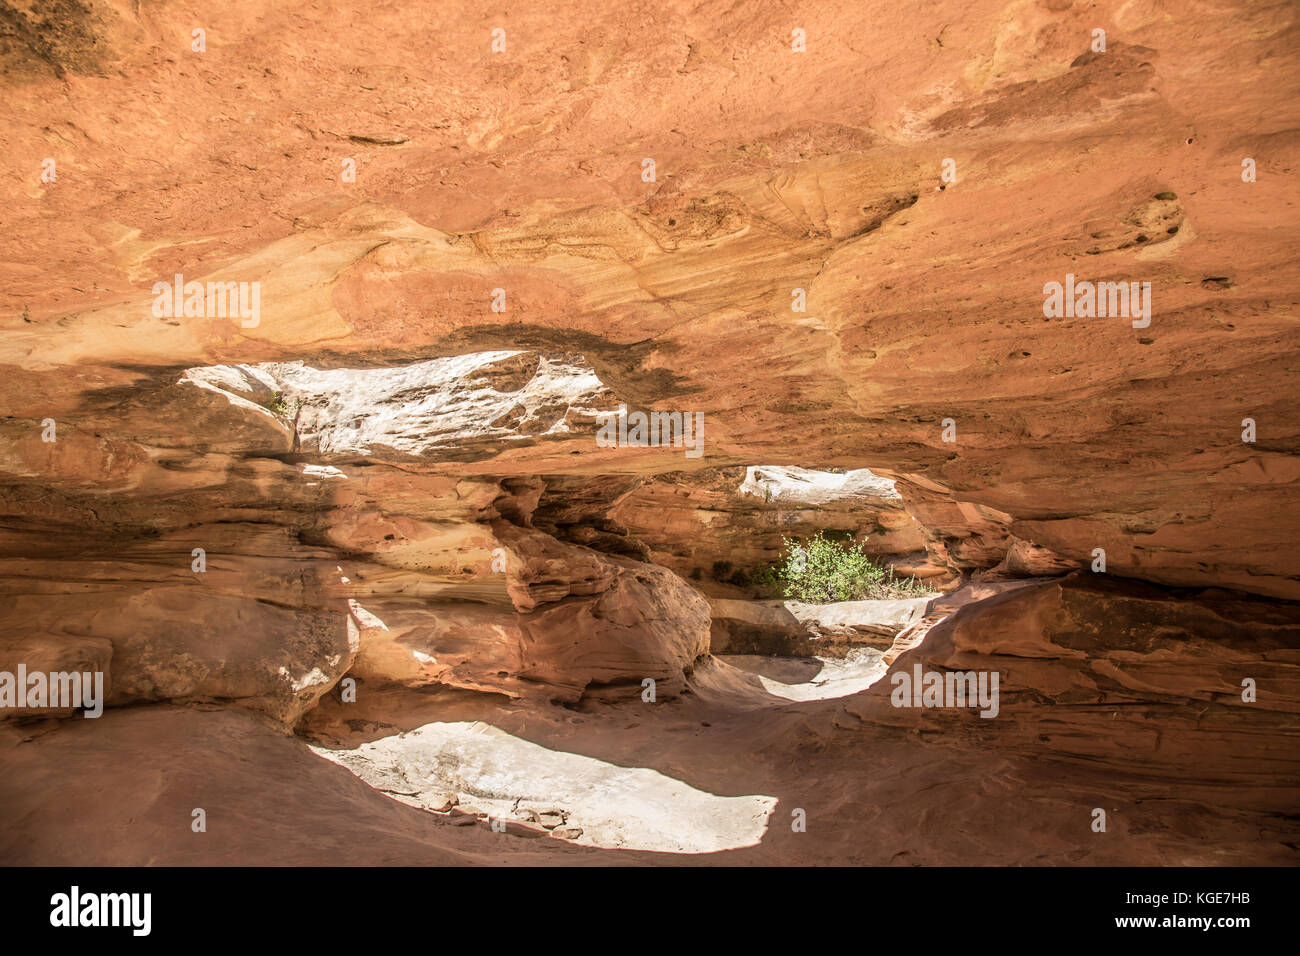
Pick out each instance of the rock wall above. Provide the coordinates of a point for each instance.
(776, 171)
(370, 444)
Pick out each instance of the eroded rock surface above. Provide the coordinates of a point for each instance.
(389, 469)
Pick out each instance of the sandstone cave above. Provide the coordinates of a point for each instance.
(308, 347)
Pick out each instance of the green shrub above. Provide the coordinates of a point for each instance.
(279, 406)
(821, 571)
(765, 578)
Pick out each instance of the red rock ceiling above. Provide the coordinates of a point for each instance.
(522, 171)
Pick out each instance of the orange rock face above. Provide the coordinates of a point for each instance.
(314, 319)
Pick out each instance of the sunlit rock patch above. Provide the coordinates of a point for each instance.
(419, 409)
(480, 769)
(813, 678)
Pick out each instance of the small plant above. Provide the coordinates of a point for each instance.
(767, 494)
(821, 571)
(279, 406)
(738, 578)
(765, 578)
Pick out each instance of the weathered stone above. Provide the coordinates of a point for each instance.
(391, 470)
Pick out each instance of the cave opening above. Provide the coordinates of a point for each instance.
(627, 585)
(435, 582)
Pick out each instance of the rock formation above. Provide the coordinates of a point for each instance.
(318, 321)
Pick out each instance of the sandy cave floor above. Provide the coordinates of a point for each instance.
(717, 775)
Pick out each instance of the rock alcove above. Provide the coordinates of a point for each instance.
(332, 576)
(387, 471)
